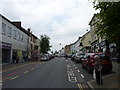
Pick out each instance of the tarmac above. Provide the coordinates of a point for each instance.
(111, 81)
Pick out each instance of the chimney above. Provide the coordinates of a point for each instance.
(28, 30)
(18, 24)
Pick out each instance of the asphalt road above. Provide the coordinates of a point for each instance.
(56, 73)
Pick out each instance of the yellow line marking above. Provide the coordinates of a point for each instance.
(32, 68)
(17, 67)
(14, 77)
(80, 86)
(25, 72)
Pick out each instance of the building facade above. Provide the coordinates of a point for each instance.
(14, 40)
(86, 42)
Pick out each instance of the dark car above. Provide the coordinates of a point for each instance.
(89, 61)
(72, 57)
(78, 57)
(44, 57)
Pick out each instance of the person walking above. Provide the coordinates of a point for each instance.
(14, 57)
(98, 68)
(66, 56)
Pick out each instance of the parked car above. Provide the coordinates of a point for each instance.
(78, 57)
(72, 57)
(44, 57)
(88, 62)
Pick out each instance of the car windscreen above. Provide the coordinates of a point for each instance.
(101, 56)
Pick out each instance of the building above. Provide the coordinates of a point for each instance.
(34, 50)
(15, 39)
(72, 48)
(77, 45)
(94, 37)
(67, 50)
(86, 42)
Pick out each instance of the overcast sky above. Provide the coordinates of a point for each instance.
(62, 20)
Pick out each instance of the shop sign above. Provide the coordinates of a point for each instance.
(6, 45)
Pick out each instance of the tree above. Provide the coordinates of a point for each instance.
(109, 22)
(44, 44)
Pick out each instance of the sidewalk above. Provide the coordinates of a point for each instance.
(109, 81)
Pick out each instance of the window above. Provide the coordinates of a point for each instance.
(3, 28)
(14, 34)
(9, 31)
(18, 36)
(22, 38)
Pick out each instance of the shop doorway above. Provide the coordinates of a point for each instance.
(6, 55)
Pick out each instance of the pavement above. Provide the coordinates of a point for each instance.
(109, 81)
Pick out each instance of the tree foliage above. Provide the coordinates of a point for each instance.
(44, 44)
(109, 20)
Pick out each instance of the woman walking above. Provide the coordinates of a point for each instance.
(98, 68)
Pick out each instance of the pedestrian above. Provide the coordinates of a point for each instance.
(98, 68)
(17, 59)
(14, 57)
(66, 56)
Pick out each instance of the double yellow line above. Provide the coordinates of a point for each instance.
(80, 86)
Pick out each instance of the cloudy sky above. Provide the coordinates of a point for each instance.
(62, 20)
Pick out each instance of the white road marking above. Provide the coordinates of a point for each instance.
(32, 68)
(14, 77)
(1, 84)
(25, 72)
(37, 66)
(78, 70)
(82, 76)
(76, 67)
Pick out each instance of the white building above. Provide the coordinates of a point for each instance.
(15, 39)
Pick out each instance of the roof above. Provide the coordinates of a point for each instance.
(20, 28)
(92, 19)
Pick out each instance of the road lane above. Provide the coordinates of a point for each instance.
(52, 74)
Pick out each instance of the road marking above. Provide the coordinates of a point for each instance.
(76, 67)
(80, 86)
(1, 84)
(14, 77)
(37, 66)
(25, 72)
(18, 67)
(78, 70)
(32, 68)
(82, 76)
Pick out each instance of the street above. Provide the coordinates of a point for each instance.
(56, 73)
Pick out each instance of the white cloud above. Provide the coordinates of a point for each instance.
(63, 20)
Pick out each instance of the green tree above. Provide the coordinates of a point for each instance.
(44, 44)
(109, 22)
